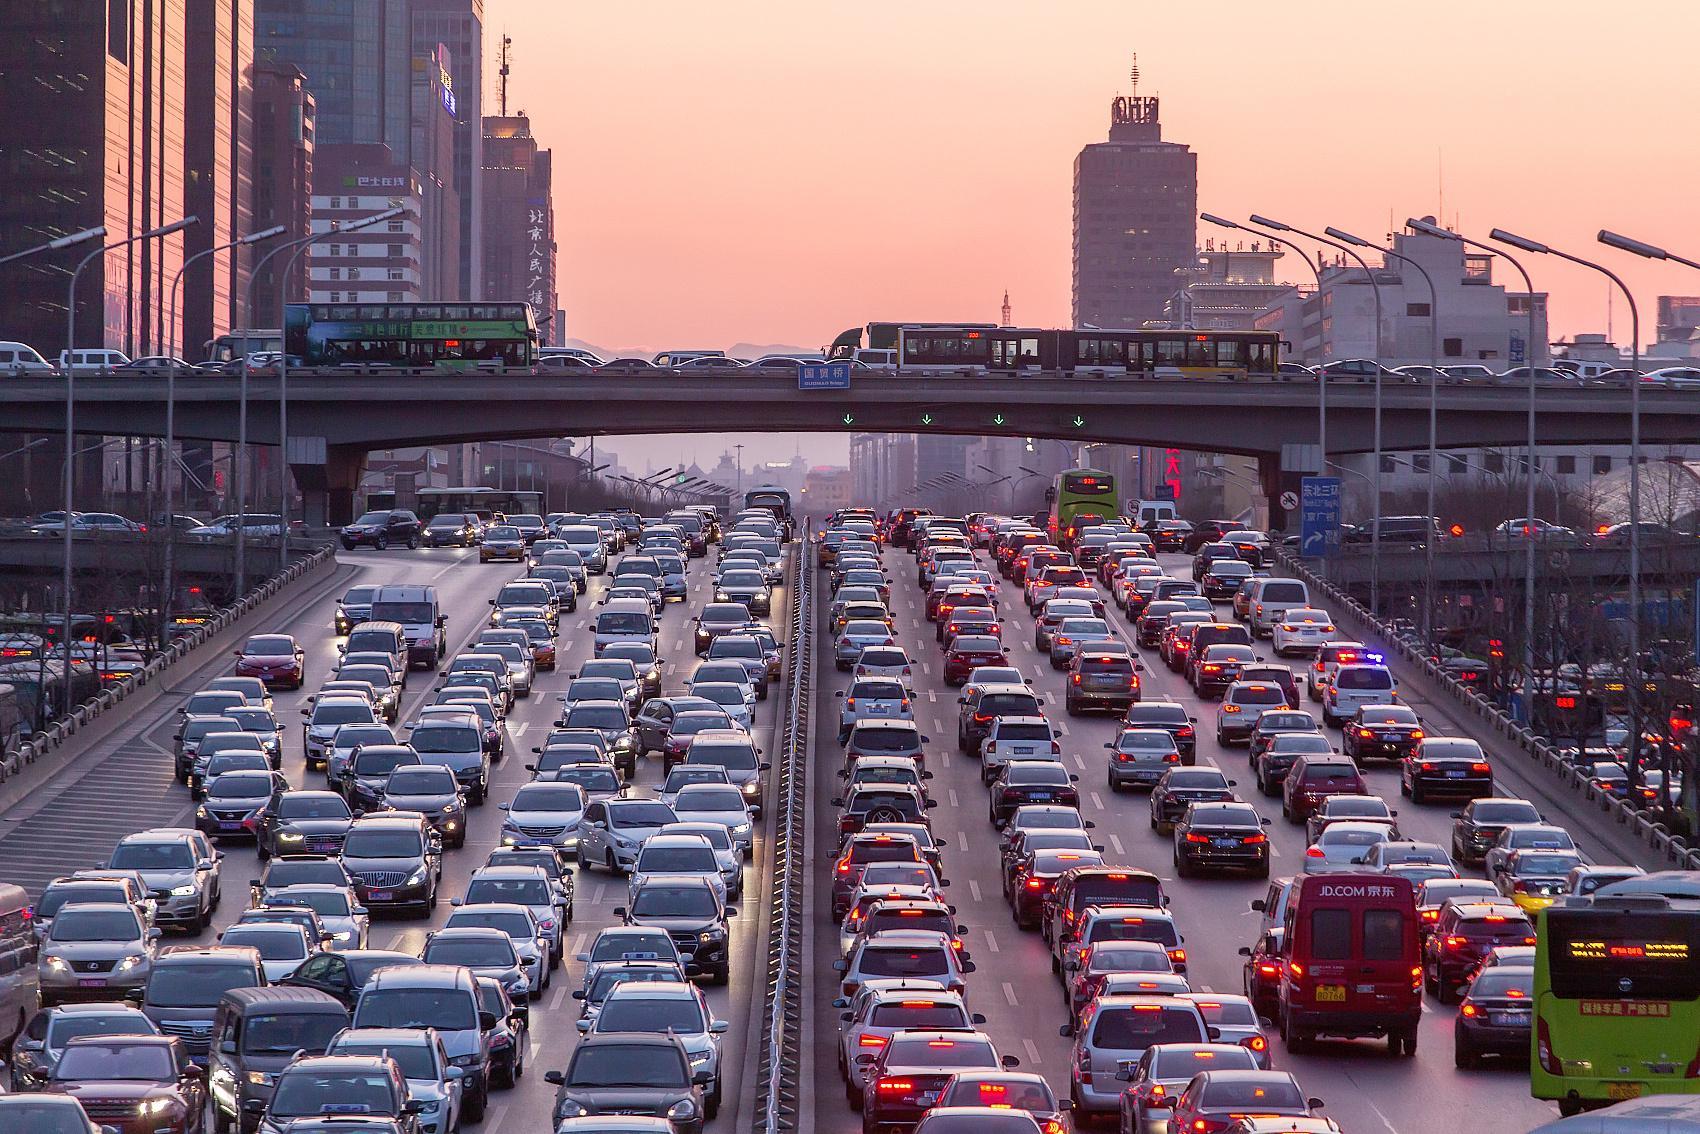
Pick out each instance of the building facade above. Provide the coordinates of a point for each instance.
(1135, 219)
(356, 55)
(381, 264)
(519, 218)
(1226, 289)
(827, 488)
(219, 112)
(284, 140)
(433, 164)
(458, 26)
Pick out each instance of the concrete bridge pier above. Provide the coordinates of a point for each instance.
(1275, 482)
(328, 476)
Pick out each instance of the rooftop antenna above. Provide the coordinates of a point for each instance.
(507, 42)
(1006, 321)
(1133, 74)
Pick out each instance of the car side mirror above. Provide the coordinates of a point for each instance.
(837, 800)
(962, 700)
(766, 766)
(1314, 1104)
(1245, 950)
(1258, 905)
(841, 1002)
(227, 1046)
(1072, 778)
(1066, 1031)
(932, 803)
(619, 911)
(1457, 815)
(840, 966)
(554, 1078)
(1194, 720)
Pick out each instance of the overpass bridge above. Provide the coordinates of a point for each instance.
(337, 416)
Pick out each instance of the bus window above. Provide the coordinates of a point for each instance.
(1169, 352)
(1262, 363)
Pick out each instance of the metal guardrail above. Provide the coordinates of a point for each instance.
(779, 1073)
(53, 736)
(1672, 849)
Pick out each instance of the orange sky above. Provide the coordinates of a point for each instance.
(780, 170)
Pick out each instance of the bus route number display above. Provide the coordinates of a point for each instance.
(1625, 949)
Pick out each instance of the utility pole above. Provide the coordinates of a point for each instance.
(739, 449)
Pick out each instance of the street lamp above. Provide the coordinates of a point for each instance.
(1375, 290)
(1433, 413)
(1633, 682)
(1622, 244)
(71, 407)
(1431, 229)
(55, 245)
(301, 245)
(171, 402)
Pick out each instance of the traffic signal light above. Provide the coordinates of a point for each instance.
(1496, 649)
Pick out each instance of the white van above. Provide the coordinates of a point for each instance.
(1154, 511)
(91, 361)
(625, 620)
(19, 359)
(1269, 599)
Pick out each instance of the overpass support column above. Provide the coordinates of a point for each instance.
(1275, 483)
(328, 478)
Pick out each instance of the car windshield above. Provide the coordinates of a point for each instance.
(413, 1059)
(677, 1014)
(273, 944)
(342, 712)
(1503, 980)
(270, 645)
(326, 903)
(307, 1092)
(623, 622)
(382, 844)
(320, 805)
(905, 1051)
(710, 797)
(171, 856)
(889, 962)
(62, 1029)
(420, 781)
(735, 757)
(197, 984)
(1368, 678)
(675, 901)
(627, 1065)
(446, 1009)
(89, 924)
(485, 953)
(549, 797)
(291, 1032)
(236, 785)
(597, 716)
(446, 739)
(1261, 1093)
(109, 1061)
(1550, 864)
(1109, 959)
(1512, 811)
(676, 860)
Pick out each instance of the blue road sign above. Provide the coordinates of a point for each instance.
(1518, 351)
(823, 376)
(1319, 514)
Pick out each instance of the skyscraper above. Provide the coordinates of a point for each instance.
(285, 138)
(459, 26)
(218, 77)
(519, 217)
(1135, 217)
(357, 57)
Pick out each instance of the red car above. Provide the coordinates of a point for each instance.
(1215, 1100)
(1262, 978)
(133, 1084)
(275, 659)
(967, 652)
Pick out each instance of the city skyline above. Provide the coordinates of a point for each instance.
(921, 220)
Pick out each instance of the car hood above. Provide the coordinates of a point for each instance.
(424, 803)
(167, 879)
(315, 826)
(126, 1089)
(682, 924)
(91, 950)
(724, 818)
(547, 818)
(612, 1100)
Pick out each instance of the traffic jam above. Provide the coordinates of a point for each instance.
(312, 1007)
(1214, 960)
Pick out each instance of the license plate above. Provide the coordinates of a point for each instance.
(1023, 750)
(1042, 797)
(91, 982)
(1331, 993)
(1509, 1019)
(926, 1098)
(1366, 989)
(1618, 1091)
(1391, 736)
(1456, 775)
(381, 895)
(230, 824)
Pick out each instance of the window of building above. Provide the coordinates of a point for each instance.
(118, 30)
(395, 251)
(1602, 465)
(1452, 348)
(1417, 310)
(1523, 464)
(1388, 464)
(354, 273)
(1564, 465)
(336, 297)
(336, 202)
(334, 249)
(1493, 462)
(395, 273)
(354, 202)
(395, 297)
(395, 226)
(1457, 463)
(1419, 462)
(336, 273)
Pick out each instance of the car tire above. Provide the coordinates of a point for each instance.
(1418, 795)
(382, 542)
(472, 1107)
(348, 545)
(1462, 1057)
(852, 1096)
(413, 543)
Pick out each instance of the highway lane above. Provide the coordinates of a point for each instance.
(78, 825)
(1364, 1088)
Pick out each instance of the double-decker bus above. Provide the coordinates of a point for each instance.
(414, 336)
(485, 502)
(1080, 498)
(1148, 354)
(1616, 1000)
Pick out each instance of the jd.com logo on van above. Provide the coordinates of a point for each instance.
(1369, 890)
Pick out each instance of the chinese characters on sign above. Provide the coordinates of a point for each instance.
(536, 258)
(1319, 512)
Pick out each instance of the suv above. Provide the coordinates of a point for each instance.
(1016, 738)
(985, 705)
(689, 908)
(1115, 1032)
(183, 990)
(316, 1086)
(904, 1078)
(1101, 679)
(1313, 779)
(395, 860)
(180, 867)
(442, 997)
(1354, 687)
(631, 1073)
(380, 529)
(1466, 932)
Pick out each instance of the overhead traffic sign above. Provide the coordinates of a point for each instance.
(1319, 516)
(823, 376)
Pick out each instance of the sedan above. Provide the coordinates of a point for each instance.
(1182, 786)
(276, 659)
(1215, 836)
(1215, 1099)
(1342, 846)
(1383, 732)
(1301, 630)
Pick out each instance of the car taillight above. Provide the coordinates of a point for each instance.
(1366, 734)
(895, 1086)
(1469, 1010)
(1256, 1043)
(1076, 679)
(1035, 884)
(1178, 956)
(1550, 1063)
(871, 1041)
(1269, 970)
(1254, 840)
(1314, 852)
(1481, 767)
(1192, 838)
(1429, 915)
(1461, 942)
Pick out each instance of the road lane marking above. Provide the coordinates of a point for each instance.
(1080, 760)
(1097, 801)
(962, 841)
(1032, 1052)
(1009, 994)
(1116, 845)
(1062, 729)
(974, 889)
(953, 803)
(992, 942)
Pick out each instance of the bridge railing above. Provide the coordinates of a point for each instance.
(1667, 849)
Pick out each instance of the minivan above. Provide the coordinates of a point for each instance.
(256, 1033)
(379, 637)
(414, 607)
(1269, 599)
(1085, 886)
(1354, 687)
(625, 620)
(21, 359)
(1354, 966)
(586, 539)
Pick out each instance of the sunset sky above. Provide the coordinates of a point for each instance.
(779, 170)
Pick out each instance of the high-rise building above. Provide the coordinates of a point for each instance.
(458, 25)
(218, 77)
(433, 163)
(519, 217)
(356, 55)
(381, 264)
(1135, 218)
(284, 138)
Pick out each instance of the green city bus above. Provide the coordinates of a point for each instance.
(416, 336)
(1616, 1000)
(1080, 498)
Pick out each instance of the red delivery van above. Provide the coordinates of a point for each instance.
(1353, 966)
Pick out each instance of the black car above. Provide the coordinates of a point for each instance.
(451, 529)
(380, 529)
(316, 1085)
(638, 1073)
(1276, 758)
(1218, 836)
(691, 912)
(368, 773)
(1446, 765)
(1495, 1017)
(1022, 782)
(510, 1036)
(1182, 786)
(395, 860)
(1171, 717)
(1477, 827)
(344, 973)
(1381, 732)
(304, 822)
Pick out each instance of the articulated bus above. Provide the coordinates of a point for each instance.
(1616, 1000)
(1080, 498)
(419, 336)
(1149, 354)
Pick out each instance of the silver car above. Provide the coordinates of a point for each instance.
(723, 804)
(433, 1082)
(726, 853)
(345, 740)
(180, 867)
(544, 814)
(325, 716)
(522, 928)
(679, 1010)
(1343, 847)
(858, 635)
(487, 952)
(676, 854)
(95, 951)
(341, 913)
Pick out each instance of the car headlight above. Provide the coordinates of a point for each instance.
(158, 1106)
(701, 1057)
(571, 1109)
(682, 1109)
(621, 840)
(471, 1060)
(741, 829)
(134, 960)
(720, 596)
(752, 788)
(56, 964)
(449, 808)
(710, 935)
(288, 837)
(344, 935)
(261, 1078)
(416, 878)
(183, 891)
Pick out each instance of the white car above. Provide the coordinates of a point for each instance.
(1342, 847)
(664, 853)
(716, 803)
(1355, 686)
(682, 776)
(738, 701)
(726, 852)
(885, 661)
(282, 945)
(1302, 630)
(884, 1007)
(873, 698)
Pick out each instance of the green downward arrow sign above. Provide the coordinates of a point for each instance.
(998, 420)
(849, 418)
(1079, 421)
(926, 419)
